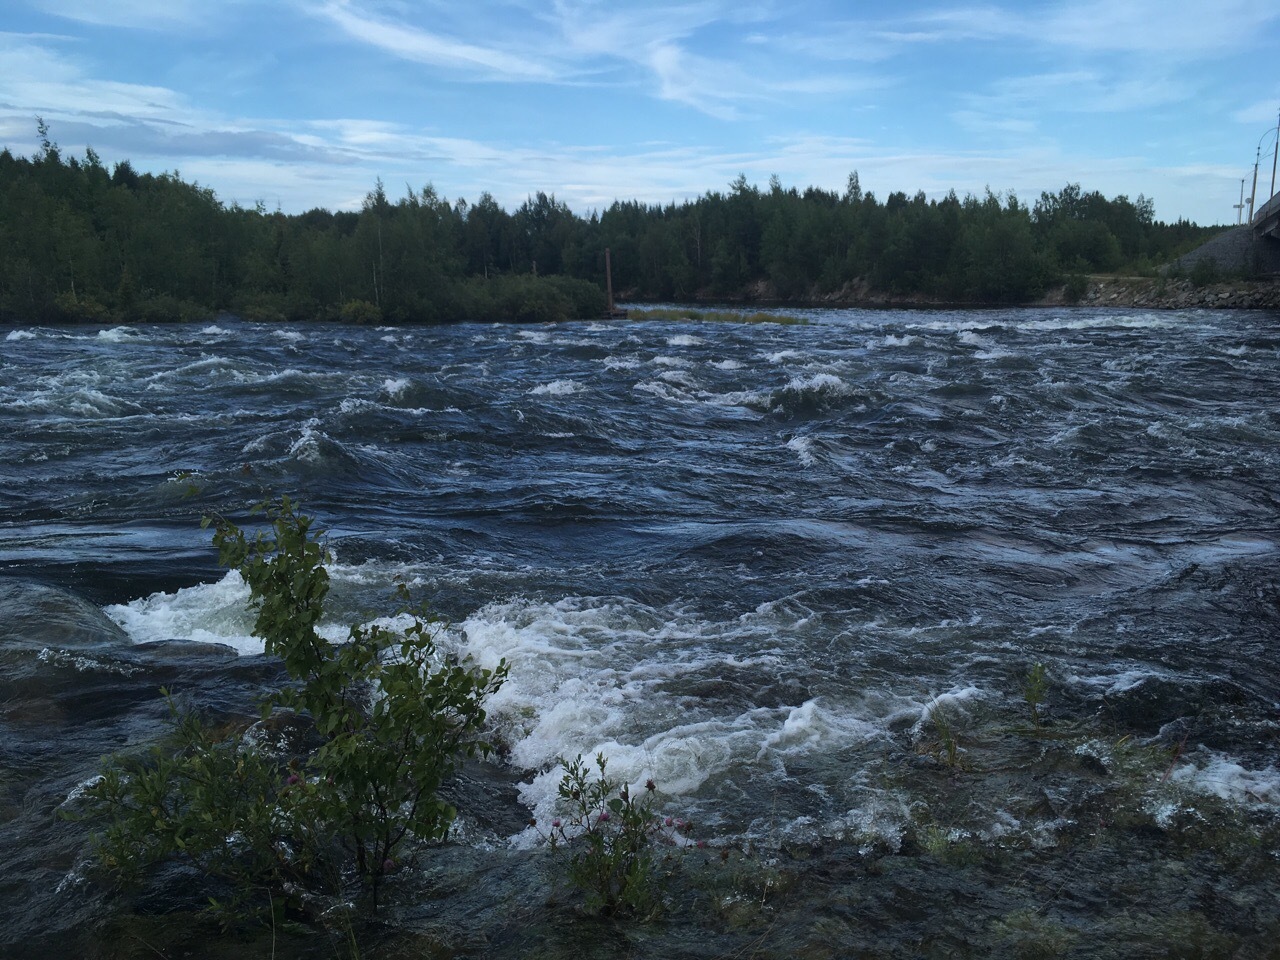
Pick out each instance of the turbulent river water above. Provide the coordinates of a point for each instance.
(798, 575)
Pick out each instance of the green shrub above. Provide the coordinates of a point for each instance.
(359, 311)
(68, 308)
(1076, 287)
(1034, 689)
(612, 836)
(388, 721)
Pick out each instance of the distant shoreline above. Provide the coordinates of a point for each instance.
(1153, 293)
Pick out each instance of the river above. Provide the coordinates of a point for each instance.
(757, 563)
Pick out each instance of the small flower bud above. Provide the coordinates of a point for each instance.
(604, 816)
(555, 824)
(649, 785)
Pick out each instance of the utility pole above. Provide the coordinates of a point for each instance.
(1275, 156)
(1240, 206)
(1253, 196)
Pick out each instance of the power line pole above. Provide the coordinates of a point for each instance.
(1240, 206)
(1253, 196)
(1275, 156)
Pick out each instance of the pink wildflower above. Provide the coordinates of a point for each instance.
(604, 816)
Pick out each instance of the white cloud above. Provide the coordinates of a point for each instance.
(1181, 28)
(33, 77)
(1261, 114)
(144, 14)
(412, 43)
(1174, 29)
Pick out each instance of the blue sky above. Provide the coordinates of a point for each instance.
(303, 103)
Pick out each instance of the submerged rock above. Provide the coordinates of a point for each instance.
(36, 615)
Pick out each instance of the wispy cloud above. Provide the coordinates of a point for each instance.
(1173, 29)
(35, 77)
(1014, 104)
(403, 39)
(1258, 114)
(133, 14)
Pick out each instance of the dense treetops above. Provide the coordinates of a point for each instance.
(79, 242)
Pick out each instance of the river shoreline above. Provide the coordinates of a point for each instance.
(1149, 293)
(1152, 293)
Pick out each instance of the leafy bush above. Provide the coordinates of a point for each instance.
(612, 835)
(359, 311)
(68, 308)
(1077, 286)
(389, 720)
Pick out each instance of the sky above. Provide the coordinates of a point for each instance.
(306, 103)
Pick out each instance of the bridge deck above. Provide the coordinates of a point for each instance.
(1267, 221)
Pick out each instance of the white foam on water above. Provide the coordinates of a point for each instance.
(663, 391)
(307, 447)
(219, 613)
(121, 335)
(606, 675)
(533, 336)
(827, 384)
(213, 330)
(893, 340)
(84, 402)
(782, 356)
(621, 363)
(1122, 680)
(680, 378)
(395, 388)
(20, 335)
(684, 340)
(993, 354)
(1085, 321)
(671, 362)
(727, 365)
(802, 447)
(557, 388)
(206, 613)
(290, 336)
(1215, 774)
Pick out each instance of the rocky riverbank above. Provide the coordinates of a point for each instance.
(1153, 293)
(1163, 293)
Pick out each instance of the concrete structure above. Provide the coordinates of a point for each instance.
(1266, 222)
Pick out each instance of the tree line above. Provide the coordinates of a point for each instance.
(81, 242)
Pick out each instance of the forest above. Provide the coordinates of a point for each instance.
(81, 242)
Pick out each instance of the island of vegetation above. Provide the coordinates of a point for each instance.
(81, 242)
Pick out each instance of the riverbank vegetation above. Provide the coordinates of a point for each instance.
(323, 796)
(84, 242)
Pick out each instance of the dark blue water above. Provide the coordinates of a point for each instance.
(750, 561)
